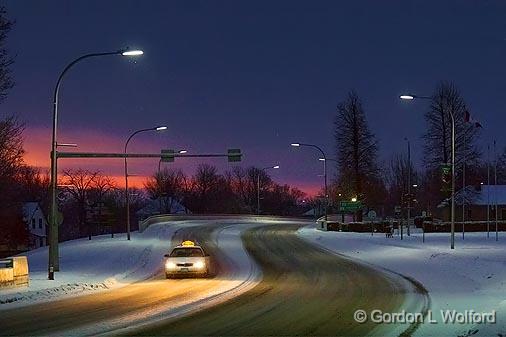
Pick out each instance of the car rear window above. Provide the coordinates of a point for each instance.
(187, 252)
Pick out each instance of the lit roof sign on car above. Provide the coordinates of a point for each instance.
(188, 243)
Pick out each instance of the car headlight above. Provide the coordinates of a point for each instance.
(199, 264)
(170, 265)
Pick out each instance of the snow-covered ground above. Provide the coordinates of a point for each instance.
(87, 266)
(470, 277)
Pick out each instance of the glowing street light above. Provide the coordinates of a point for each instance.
(127, 197)
(452, 117)
(132, 52)
(407, 97)
(258, 184)
(324, 157)
(54, 259)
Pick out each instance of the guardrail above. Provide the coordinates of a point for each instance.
(14, 271)
(143, 224)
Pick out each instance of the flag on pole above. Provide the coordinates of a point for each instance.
(469, 119)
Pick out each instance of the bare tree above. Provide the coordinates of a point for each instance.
(397, 178)
(447, 100)
(168, 186)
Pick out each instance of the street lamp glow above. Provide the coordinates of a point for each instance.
(295, 144)
(321, 159)
(275, 167)
(132, 53)
(160, 128)
(182, 151)
(407, 97)
(354, 199)
(415, 185)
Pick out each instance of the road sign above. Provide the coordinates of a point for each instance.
(234, 155)
(446, 178)
(350, 206)
(167, 155)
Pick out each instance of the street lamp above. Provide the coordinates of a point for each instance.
(127, 197)
(324, 157)
(452, 226)
(258, 184)
(54, 260)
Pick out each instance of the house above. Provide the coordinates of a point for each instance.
(477, 199)
(37, 224)
(162, 206)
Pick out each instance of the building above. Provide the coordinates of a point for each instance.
(37, 224)
(477, 199)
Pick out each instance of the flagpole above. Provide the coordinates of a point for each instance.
(495, 194)
(464, 189)
(488, 190)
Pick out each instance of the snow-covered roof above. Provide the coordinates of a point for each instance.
(487, 194)
(29, 208)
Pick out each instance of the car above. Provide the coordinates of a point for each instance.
(187, 260)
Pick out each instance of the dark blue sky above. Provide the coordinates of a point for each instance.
(251, 74)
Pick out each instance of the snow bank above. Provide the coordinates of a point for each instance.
(100, 264)
(470, 277)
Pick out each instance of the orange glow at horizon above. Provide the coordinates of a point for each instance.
(37, 143)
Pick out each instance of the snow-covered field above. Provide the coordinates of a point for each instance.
(87, 266)
(470, 277)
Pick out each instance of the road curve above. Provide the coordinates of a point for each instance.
(116, 309)
(305, 291)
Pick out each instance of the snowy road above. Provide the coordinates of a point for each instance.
(305, 291)
(470, 277)
(269, 282)
(146, 301)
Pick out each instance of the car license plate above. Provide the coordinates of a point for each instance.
(183, 269)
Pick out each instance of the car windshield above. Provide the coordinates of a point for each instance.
(187, 252)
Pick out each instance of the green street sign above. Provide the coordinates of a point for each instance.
(234, 155)
(168, 156)
(350, 206)
(446, 178)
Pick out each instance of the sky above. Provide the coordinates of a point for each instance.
(254, 75)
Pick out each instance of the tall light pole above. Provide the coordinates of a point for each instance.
(54, 260)
(324, 171)
(258, 184)
(409, 184)
(452, 226)
(127, 196)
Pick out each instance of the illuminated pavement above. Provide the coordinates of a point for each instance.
(304, 291)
